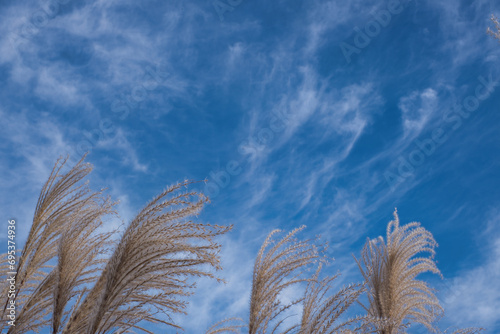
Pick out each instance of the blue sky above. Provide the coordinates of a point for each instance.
(323, 113)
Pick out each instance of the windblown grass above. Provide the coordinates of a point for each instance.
(390, 269)
(149, 269)
(66, 209)
(145, 276)
(279, 265)
(496, 31)
(322, 312)
(230, 325)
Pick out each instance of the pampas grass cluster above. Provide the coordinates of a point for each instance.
(145, 276)
(73, 279)
(391, 268)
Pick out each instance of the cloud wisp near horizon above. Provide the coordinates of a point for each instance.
(323, 113)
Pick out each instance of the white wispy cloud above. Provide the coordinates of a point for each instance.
(460, 33)
(128, 153)
(34, 144)
(473, 297)
(417, 108)
(212, 301)
(39, 141)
